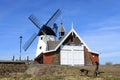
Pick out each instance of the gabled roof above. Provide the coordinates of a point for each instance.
(52, 44)
(59, 43)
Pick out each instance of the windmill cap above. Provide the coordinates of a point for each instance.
(47, 30)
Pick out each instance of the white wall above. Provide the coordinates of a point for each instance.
(42, 42)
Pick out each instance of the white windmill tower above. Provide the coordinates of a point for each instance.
(45, 33)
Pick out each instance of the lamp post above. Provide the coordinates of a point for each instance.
(20, 47)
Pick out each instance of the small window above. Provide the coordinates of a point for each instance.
(41, 38)
(40, 47)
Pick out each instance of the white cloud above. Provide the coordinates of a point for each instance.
(109, 55)
(113, 57)
(103, 37)
(110, 28)
(103, 42)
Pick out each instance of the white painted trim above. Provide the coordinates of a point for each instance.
(49, 51)
(72, 30)
(81, 40)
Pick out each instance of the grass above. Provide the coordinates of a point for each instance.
(56, 72)
(7, 69)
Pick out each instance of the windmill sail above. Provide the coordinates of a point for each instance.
(44, 30)
(53, 18)
(34, 20)
(29, 42)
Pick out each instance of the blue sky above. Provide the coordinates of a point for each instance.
(96, 21)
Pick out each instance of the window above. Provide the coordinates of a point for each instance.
(41, 38)
(40, 47)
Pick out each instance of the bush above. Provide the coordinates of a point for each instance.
(108, 63)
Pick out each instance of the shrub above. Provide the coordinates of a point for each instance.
(108, 63)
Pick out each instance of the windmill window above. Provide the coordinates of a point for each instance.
(40, 47)
(41, 38)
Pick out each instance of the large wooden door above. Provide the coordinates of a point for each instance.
(72, 55)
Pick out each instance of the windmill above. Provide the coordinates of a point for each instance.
(45, 32)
